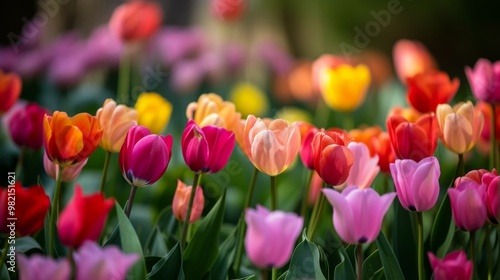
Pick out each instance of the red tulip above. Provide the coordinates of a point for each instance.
(136, 20)
(83, 218)
(381, 145)
(10, 89)
(306, 152)
(453, 266)
(228, 9)
(427, 90)
(26, 125)
(29, 207)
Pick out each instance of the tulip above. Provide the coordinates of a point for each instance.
(249, 99)
(492, 182)
(10, 89)
(276, 58)
(484, 80)
(332, 159)
(414, 141)
(30, 207)
(364, 167)
(40, 267)
(211, 109)
(271, 236)
(206, 149)
(153, 111)
(427, 90)
(381, 146)
(136, 20)
(409, 113)
(468, 204)
(25, 125)
(271, 147)
(411, 58)
(320, 67)
(486, 110)
(144, 157)
(181, 201)
(115, 121)
(306, 151)
(417, 183)
(344, 87)
(365, 135)
(300, 83)
(453, 266)
(460, 126)
(83, 218)
(69, 173)
(358, 213)
(227, 9)
(94, 262)
(69, 141)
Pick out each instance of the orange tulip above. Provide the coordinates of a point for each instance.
(10, 89)
(211, 109)
(411, 58)
(181, 201)
(69, 141)
(365, 136)
(136, 20)
(271, 147)
(381, 145)
(460, 126)
(115, 121)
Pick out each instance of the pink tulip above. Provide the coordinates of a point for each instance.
(38, 267)
(25, 125)
(358, 213)
(453, 266)
(492, 183)
(364, 169)
(144, 157)
(468, 204)
(206, 149)
(411, 58)
(484, 80)
(94, 262)
(417, 184)
(271, 236)
(69, 173)
(181, 201)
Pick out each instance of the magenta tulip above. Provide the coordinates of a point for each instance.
(358, 213)
(484, 80)
(365, 167)
(453, 266)
(468, 204)
(39, 267)
(25, 125)
(144, 157)
(271, 236)
(492, 183)
(206, 149)
(417, 184)
(94, 262)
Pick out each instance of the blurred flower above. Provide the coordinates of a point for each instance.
(344, 87)
(10, 90)
(227, 9)
(102, 49)
(468, 204)
(249, 99)
(69, 173)
(484, 80)
(460, 126)
(144, 157)
(306, 149)
(31, 205)
(270, 236)
(417, 183)
(365, 135)
(153, 111)
(94, 262)
(175, 44)
(234, 58)
(427, 90)
(486, 110)
(271, 147)
(300, 82)
(206, 149)
(69, 68)
(38, 267)
(320, 67)
(381, 145)
(293, 114)
(379, 64)
(364, 168)
(414, 141)
(69, 141)
(332, 159)
(211, 109)
(181, 201)
(83, 218)
(136, 20)
(278, 60)
(453, 266)
(25, 125)
(411, 58)
(358, 213)
(115, 121)
(409, 113)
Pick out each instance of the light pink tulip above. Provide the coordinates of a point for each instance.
(69, 173)
(365, 167)
(36, 266)
(453, 266)
(358, 213)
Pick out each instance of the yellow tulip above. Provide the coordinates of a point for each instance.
(249, 99)
(344, 87)
(211, 109)
(115, 121)
(154, 111)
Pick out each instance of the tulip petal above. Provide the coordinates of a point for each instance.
(342, 215)
(149, 160)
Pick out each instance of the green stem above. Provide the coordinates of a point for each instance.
(359, 262)
(130, 201)
(54, 212)
(4, 254)
(185, 226)
(348, 121)
(248, 200)
(305, 199)
(263, 274)
(461, 167)
(322, 114)
(273, 193)
(318, 208)
(489, 250)
(72, 263)
(420, 234)
(274, 273)
(492, 137)
(105, 171)
(472, 247)
(124, 77)
(19, 165)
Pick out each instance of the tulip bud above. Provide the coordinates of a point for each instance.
(484, 80)
(136, 20)
(468, 204)
(427, 90)
(211, 109)
(227, 9)
(181, 201)
(453, 266)
(411, 58)
(26, 125)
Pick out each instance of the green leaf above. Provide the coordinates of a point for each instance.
(344, 269)
(227, 252)
(391, 266)
(283, 276)
(151, 261)
(155, 246)
(203, 249)
(247, 278)
(169, 267)
(300, 265)
(371, 265)
(404, 240)
(441, 227)
(59, 248)
(5, 273)
(130, 244)
(26, 244)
